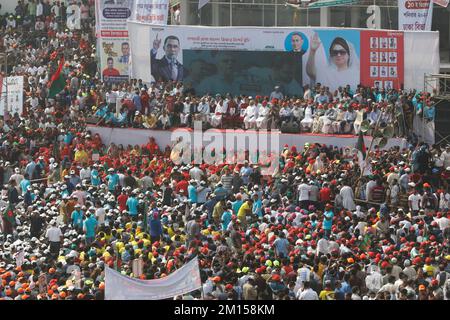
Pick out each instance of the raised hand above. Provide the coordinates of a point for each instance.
(156, 42)
(315, 42)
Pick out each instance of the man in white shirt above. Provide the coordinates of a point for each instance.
(414, 201)
(307, 293)
(55, 238)
(184, 116)
(445, 156)
(85, 173)
(100, 214)
(369, 187)
(443, 221)
(33, 100)
(303, 194)
(250, 115)
(39, 9)
(203, 110)
(196, 173)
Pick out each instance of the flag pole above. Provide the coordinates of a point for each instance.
(366, 161)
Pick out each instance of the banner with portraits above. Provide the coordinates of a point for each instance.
(251, 61)
(112, 38)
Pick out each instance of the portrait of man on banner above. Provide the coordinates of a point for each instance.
(168, 67)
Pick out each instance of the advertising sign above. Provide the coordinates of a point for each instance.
(382, 59)
(415, 15)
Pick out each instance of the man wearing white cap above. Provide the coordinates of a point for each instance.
(17, 177)
(55, 238)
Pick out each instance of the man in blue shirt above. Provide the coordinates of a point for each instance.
(29, 169)
(220, 191)
(281, 245)
(155, 227)
(246, 171)
(132, 205)
(113, 180)
(25, 183)
(137, 100)
(226, 219)
(90, 225)
(192, 191)
(429, 112)
(77, 218)
(95, 178)
(328, 220)
(257, 206)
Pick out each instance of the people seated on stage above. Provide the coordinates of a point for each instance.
(298, 111)
(359, 118)
(336, 125)
(250, 115)
(263, 115)
(328, 118)
(285, 113)
(219, 111)
(349, 118)
(307, 122)
(163, 121)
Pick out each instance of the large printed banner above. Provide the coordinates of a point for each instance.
(11, 95)
(150, 11)
(415, 15)
(111, 27)
(182, 281)
(382, 59)
(112, 32)
(253, 61)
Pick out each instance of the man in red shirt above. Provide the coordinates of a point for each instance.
(122, 200)
(182, 185)
(110, 71)
(324, 195)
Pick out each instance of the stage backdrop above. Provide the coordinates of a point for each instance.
(244, 59)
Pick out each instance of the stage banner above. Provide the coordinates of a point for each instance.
(11, 95)
(111, 27)
(415, 15)
(150, 11)
(182, 281)
(252, 61)
(382, 59)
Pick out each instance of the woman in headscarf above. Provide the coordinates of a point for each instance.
(342, 67)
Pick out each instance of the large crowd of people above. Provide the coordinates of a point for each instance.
(316, 229)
